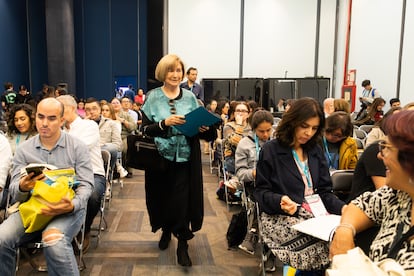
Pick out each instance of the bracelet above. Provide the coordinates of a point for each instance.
(347, 225)
(160, 125)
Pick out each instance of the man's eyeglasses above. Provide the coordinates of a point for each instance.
(242, 110)
(171, 103)
(382, 145)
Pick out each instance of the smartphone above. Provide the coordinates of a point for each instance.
(36, 170)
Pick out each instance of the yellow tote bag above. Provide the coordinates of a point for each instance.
(30, 211)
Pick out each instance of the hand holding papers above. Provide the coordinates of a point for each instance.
(195, 119)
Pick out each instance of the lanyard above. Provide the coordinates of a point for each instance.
(256, 142)
(17, 139)
(304, 166)
(332, 163)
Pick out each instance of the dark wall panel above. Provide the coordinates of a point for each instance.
(97, 50)
(37, 44)
(124, 30)
(13, 47)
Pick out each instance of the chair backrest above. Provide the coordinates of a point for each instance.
(366, 128)
(106, 157)
(360, 143)
(359, 133)
(342, 182)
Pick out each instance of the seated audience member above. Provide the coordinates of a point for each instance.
(342, 105)
(377, 132)
(126, 105)
(247, 154)
(62, 150)
(109, 113)
(128, 126)
(369, 173)
(87, 131)
(81, 108)
(109, 131)
(328, 106)
(24, 96)
(390, 207)
(21, 125)
(5, 162)
(341, 150)
(395, 102)
(233, 132)
(291, 167)
(139, 97)
(374, 113)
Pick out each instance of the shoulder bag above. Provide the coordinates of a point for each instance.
(142, 153)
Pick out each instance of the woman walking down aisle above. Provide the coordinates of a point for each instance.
(174, 194)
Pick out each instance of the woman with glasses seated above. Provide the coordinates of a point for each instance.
(390, 207)
(237, 127)
(341, 150)
(174, 195)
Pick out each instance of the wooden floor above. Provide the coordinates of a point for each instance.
(128, 247)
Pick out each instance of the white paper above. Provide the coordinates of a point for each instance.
(319, 227)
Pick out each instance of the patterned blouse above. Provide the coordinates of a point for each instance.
(389, 208)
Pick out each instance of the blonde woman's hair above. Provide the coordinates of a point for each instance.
(166, 64)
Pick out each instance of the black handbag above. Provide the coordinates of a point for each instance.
(142, 154)
(237, 228)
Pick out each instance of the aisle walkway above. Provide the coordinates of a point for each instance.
(128, 247)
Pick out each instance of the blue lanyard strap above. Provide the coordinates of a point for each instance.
(332, 163)
(256, 142)
(18, 139)
(304, 166)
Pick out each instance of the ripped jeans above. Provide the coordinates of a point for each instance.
(57, 247)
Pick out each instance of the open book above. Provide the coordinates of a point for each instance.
(319, 227)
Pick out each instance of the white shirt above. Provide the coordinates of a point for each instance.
(5, 159)
(88, 132)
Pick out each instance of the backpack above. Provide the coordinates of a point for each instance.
(237, 228)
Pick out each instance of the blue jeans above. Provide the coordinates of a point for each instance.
(94, 202)
(60, 257)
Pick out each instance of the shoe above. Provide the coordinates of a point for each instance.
(121, 170)
(249, 243)
(129, 175)
(182, 253)
(165, 240)
(270, 263)
(108, 193)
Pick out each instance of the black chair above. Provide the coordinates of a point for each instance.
(342, 183)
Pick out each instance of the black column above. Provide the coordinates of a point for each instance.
(60, 43)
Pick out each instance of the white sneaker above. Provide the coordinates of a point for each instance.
(121, 170)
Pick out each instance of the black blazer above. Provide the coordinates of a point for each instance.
(277, 175)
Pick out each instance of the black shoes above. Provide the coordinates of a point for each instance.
(182, 253)
(165, 240)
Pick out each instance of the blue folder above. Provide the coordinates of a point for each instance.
(197, 118)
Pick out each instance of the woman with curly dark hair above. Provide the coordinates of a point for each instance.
(21, 124)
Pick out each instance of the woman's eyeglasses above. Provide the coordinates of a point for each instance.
(242, 110)
(382, 145)
(171, 103)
